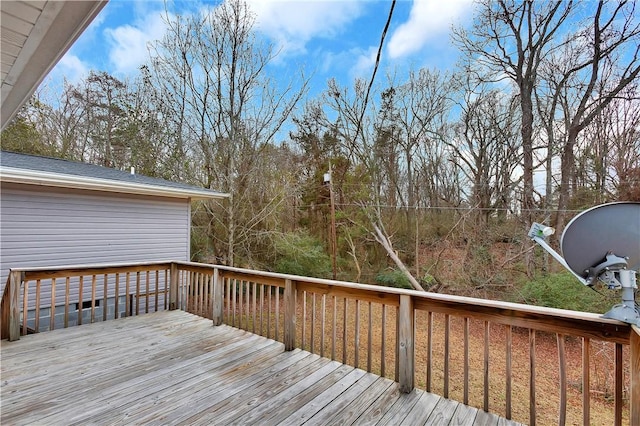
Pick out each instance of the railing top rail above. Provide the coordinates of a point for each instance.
(91, 269)
(582, 324)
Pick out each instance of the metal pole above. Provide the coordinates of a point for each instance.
(333, 224)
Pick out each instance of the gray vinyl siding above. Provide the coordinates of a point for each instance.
(44, 226)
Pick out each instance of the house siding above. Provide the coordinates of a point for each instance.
(44, 226)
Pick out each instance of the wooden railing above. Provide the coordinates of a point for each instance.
(43, 299)
(500, 357)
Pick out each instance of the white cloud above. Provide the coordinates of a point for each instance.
(428, 19)
(71, 68)
(291, 24)
(364, 63)
(128, 43)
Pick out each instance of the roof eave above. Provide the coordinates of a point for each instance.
(60, 24)
(33, 177)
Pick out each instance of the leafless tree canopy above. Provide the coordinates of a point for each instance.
(437, 172)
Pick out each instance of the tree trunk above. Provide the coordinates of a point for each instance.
(566, 169)
(527, 165)
(384, 241)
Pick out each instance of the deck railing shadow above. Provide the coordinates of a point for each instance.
(462, 348)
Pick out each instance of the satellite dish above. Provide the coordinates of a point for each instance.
(606, 229)
(602, 243)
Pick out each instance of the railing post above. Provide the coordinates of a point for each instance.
(634, 404)
(13, 307)
(218, 297)
(405, 344)
(289, 314)
(173, 287)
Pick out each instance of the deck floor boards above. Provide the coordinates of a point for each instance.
(176, 368)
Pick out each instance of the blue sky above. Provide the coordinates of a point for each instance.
(330, 38)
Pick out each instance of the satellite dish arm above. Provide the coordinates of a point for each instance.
(537, 234)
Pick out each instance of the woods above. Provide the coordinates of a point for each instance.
(446, 169)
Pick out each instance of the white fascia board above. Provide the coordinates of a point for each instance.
(34, 177)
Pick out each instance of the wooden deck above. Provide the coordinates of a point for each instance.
(174, 367)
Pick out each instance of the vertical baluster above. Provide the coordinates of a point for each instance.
(127, 306)
(240, 305)
(241, 313)
(465, 398)
(562, 364)
(262, 309)
(234, 297)
(619, 366)
(201, 287)
(269, 312)
(586, 381)
(156, 289)
(369, 339)
(146, 291)
(304, 319)
(166, 287)
(37, 313)
(104, 299)
(397, 346)
(193, 292)
(52, 311)
(383, 343)
(486, 366)
(206, 281)
(357, 336)
(181, 290)
(228, 304)
(187, 289)
(67, 288)
(203, 295)
(344, 332)
(429, 349)
(93, 298)
(313, 322)
(116, 300)
(184, 290)
(322, 331)
(509, 345)
(532, 377)
(447, 329)
(334, 328)
(277, 312)
(254, 314)
(217, 297)
(138, 293)
(25, 307)
(80, 298)
(247, 290)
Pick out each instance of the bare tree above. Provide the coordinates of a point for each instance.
(212, 66)
(509, 40)
(487, 148)
(591, 68)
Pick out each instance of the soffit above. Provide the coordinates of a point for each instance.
(34, 36)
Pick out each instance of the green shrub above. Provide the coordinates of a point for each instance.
(298, 253)
(564, 291)
(393, 278)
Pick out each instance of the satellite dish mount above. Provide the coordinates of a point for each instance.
(602, 243)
